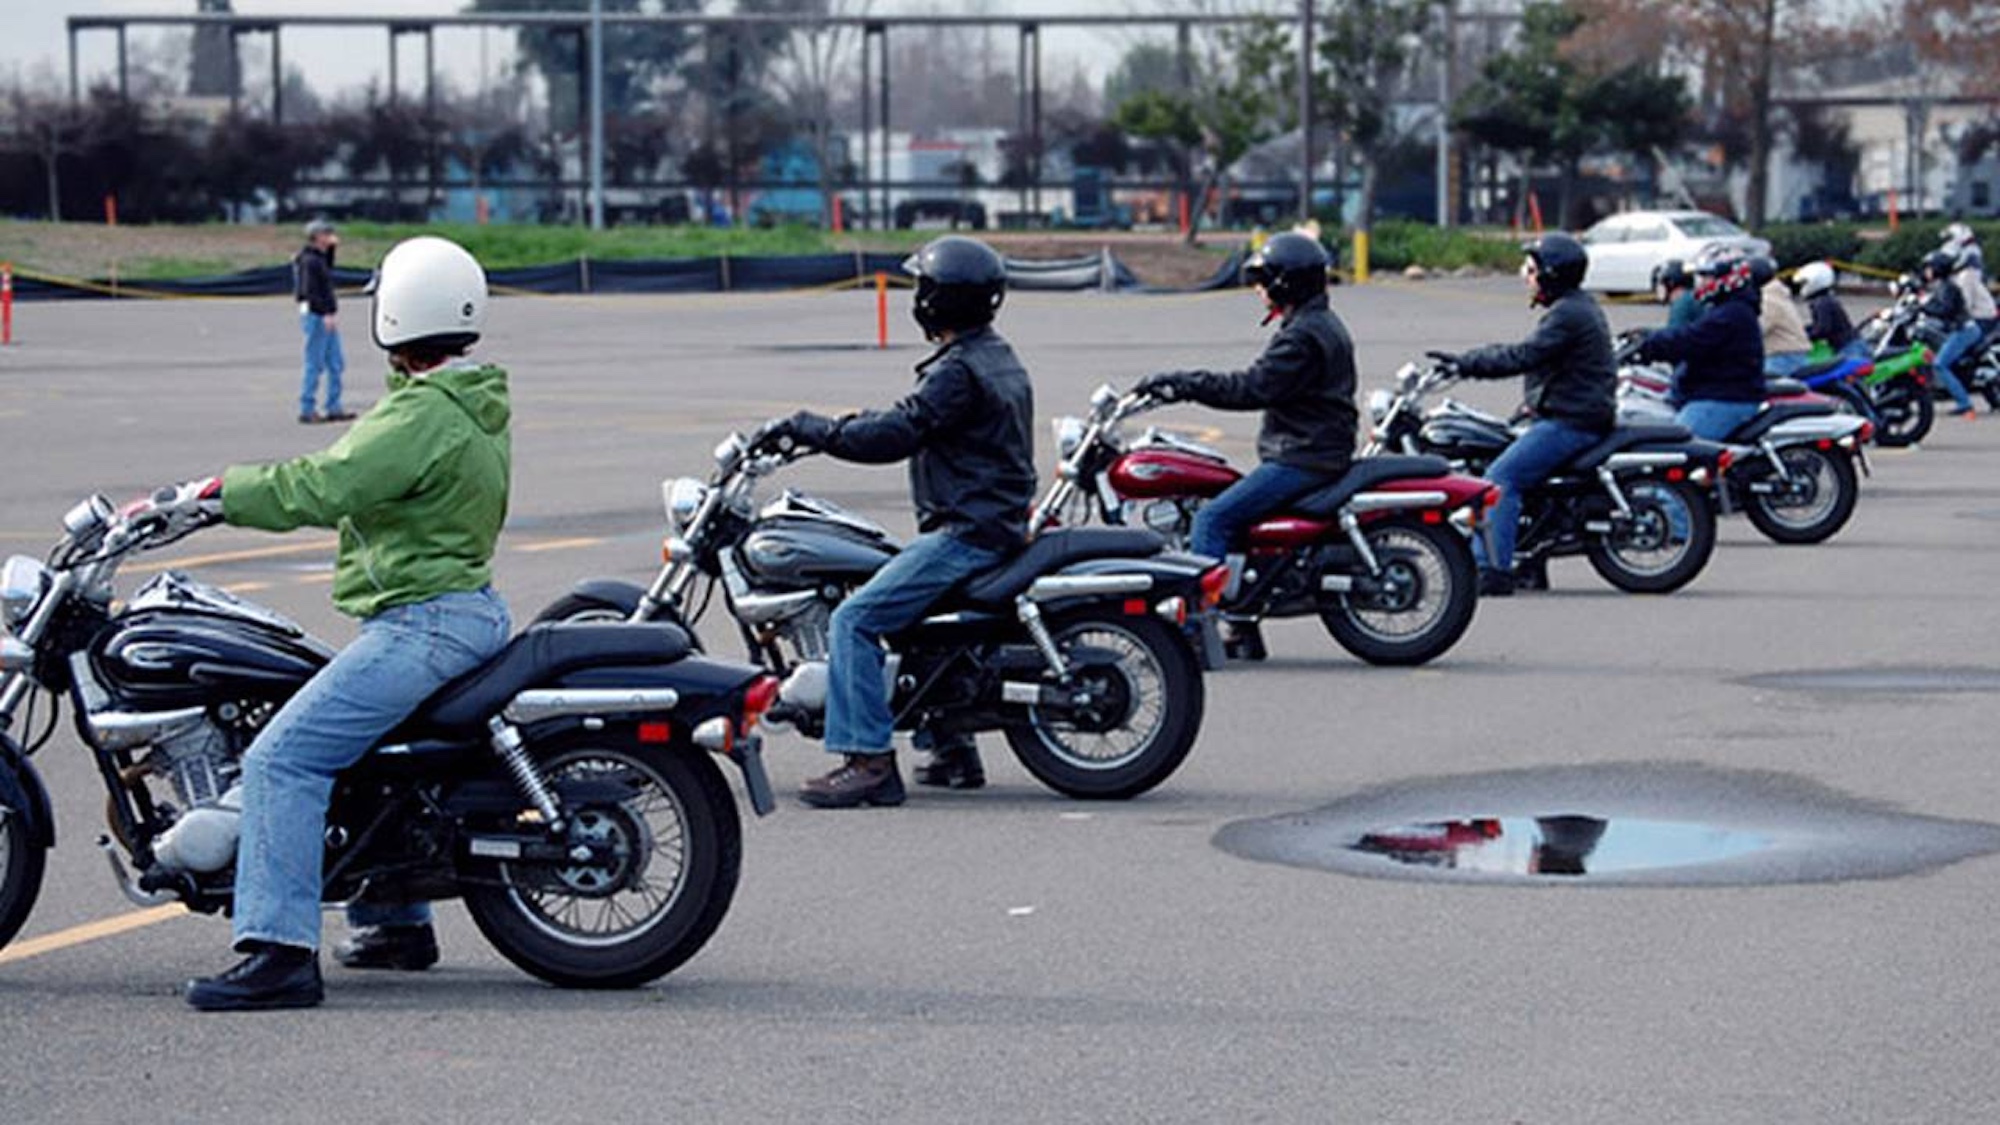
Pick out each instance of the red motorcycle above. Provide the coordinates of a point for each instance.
(1382, 556)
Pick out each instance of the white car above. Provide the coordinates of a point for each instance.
(1625, 249)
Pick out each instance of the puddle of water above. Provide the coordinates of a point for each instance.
(1566, 846)
(1892, 680)
(1627, 824)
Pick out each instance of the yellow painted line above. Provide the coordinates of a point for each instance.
(323, 579)
(91, 931)
(316, 546)
(560, 544)
(245, 587)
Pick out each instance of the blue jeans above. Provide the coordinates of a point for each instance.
(1715, 418)
(1526, 463)
(1781, 365)
(322, 354)
(1954, 347)
(1222, 521)
(858, 720)
(402, 656)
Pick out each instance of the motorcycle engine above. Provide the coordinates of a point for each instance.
(806, 630)
(203, 764)
(1173, 519)
(200, 762)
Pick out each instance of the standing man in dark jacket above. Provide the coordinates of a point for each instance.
(968, 433)
(319, 317)
(1721, 383)
(1571, 391)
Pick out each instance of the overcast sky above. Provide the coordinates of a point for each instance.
(339, 59)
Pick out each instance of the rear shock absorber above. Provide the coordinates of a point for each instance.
(513, 752)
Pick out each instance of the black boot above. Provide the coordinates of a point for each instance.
(408, 949)
(863, 779)
(1495, 583)
(271, 977)
(1243, 640)
(953, 767)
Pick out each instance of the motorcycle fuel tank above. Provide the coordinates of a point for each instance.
(1152, 473)
(806, 552)
(182, 644)
(1458, 437)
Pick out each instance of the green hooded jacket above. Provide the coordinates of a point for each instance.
(417, 489)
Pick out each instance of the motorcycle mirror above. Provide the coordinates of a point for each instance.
(1103, 397)
(727, 453)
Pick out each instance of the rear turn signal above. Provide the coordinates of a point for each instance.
(758, 698)
(1867, 431)
(1214, 583)
(1725, 459)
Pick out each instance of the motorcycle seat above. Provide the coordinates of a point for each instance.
(1775, 412)
(1052, 552)
(1626, 437)
(1786, 388)
(1814, 370)
(543, 653)
(1366, 474)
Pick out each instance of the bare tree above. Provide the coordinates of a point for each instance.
(805, 75)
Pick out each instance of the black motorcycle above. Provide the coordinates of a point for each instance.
(567, 789)
(1077, 649)
(1640, 505)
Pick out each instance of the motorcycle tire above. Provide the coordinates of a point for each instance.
(1906, 410)
(508, 908)
(1151, 649)
(581, 608)
(1834, 487)
(1432, 559)
(22, 862)
(1654, 501)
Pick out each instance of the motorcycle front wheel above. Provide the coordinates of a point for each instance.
(1154, 684)
(1429, 588)
(1906, 411)
(21, 865)
(1820, 504)
(677, 848)
(1663, 545)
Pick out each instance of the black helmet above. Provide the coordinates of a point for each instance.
(1671, 274)
(1939, 263)
(1291, 267)
(1560, 262)
(960, 284)
(1763, 268)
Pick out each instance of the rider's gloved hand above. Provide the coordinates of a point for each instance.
(189, 504)
(1167, 386)
(805, 430)
(1446, 360)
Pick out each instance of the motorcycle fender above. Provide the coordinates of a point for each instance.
(1800, 430)
(21, 789)
(611, 591)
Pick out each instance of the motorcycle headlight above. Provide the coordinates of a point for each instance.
(22, 582)
(684, 498)
(1069, 435)
(1378, 405)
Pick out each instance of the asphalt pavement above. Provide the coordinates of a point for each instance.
(1008, 955)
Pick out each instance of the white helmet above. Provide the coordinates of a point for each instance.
(1813, 278)
(428, 289)
(1957, 238)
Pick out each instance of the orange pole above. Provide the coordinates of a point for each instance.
(881, 309)
(481, 209)
(110, 210)
(839, 215)
(1535, 210)
(6, 302)
(1892, 210)
(1182, 197)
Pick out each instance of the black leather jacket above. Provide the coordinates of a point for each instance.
(1572, 377)
(968, 431)
(312, 281)
(1304, 384)
(1829, 321)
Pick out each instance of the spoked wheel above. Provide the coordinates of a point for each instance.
(1815, 505)
(664, 854)
(1665, 542)
(1144, 684)
(1422, 602)
(1906, 410)
(21, 863)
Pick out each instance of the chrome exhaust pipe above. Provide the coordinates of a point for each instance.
(125, 881)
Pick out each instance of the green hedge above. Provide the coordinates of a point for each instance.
(1795, 244)
(1398, 243)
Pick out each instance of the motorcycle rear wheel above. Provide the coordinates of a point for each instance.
(1662, 510)
(1435, 564)
(1161, 673)
(22, 862)
(1832, 487)
(568, 926)
(1906, 411)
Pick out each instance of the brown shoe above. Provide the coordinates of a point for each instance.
(863, 779)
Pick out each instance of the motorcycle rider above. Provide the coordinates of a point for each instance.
(418, 491)
(1969, 271)
(1787, 347)
(1571, 391)
(1945, 303)
(1303, 382)
(1675, 287)
(1826, 318)
(1721, 380)
(968, 433)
